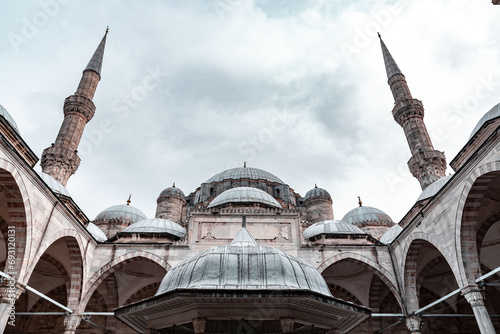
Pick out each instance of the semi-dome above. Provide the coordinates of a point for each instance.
(244, 173)
(391, 234)
(55, 185)
(157, 226)
(172, 191)
(331, 227)
(244, 265)
(123, 212)
(493, 113)
(245, 195)
(317, 192)
(96, 232)
(434, 188)
(367, 215)
(8, 118)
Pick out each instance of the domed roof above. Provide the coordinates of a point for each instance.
(96, 232)
(122, 212)
(8, 118)
(172, 191)
(331, 227)
(391, 234)
(55, 185)
(244, 173)
(317, 192)
(244, 265)
(156, 225)
(367, 214)
(493, 113)
(433, 188)
(244, 195)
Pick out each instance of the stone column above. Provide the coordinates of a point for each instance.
(413, 324)
(71, 323)
(475, 298)
(287, 325)
(199, 325)
(9, 293)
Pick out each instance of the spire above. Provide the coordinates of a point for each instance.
(95, 64)
(390, 64)
(129, 201)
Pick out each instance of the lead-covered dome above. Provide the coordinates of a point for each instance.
(55, 185)
(244, 265)
(123, 212)
(493, 113)
(245, 195)
(157, 226)
(434, 188)
(391, 234)
(366, 215)
(331, 227)
(244, 173)
(96, 232)
(8, 118)
(172, 191)
(317, 193)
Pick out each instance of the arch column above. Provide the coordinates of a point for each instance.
(414, 324)
(475, 298)
(71, 322)
(8, 296)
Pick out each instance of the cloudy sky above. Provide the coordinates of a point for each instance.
(297, 88)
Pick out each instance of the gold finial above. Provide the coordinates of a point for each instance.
(244, 164)
(360, 203)
(128, 201)
(107, 29)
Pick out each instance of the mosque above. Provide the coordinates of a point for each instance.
(244, 252)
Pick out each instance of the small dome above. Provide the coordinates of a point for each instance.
(493, 113)
(172, 191)
(244, 173)
(158, 226)
(244, 265)
(121, 212)
(245, 195)
(317, 192)
(8, 118)
(434, 188)
(367, 214)
(391, 234)
(96, 232)
(331, 227)
(53, 184)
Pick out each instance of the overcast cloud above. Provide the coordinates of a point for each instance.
(297, 88)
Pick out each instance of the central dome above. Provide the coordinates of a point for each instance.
(244, 265)
(244, 173)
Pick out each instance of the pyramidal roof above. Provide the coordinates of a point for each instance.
(95, 64)
(244, 238)
(390, 64)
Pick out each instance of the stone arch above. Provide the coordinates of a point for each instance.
(14, 189)
(109, 268)
(386, 276)
(140, 294)
(466, 227)
(484, 228)
(414, 274)
(344, 294)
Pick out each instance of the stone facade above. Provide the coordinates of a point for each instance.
(449, 241)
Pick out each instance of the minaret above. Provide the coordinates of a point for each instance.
(426, 163)
(61, 159)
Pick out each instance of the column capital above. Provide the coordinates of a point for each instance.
(71, 322)
(199, 325)
(414, 324)
(473, 294)
(287, 325)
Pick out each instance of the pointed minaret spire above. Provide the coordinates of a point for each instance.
(61, 159)
(426, 163)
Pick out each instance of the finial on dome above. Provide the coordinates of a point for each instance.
(315, 185)
(379, 35)
(107, 29)
(173, 186)
(244, 164)
(128, 201)
(244, 221)
(360, 203)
